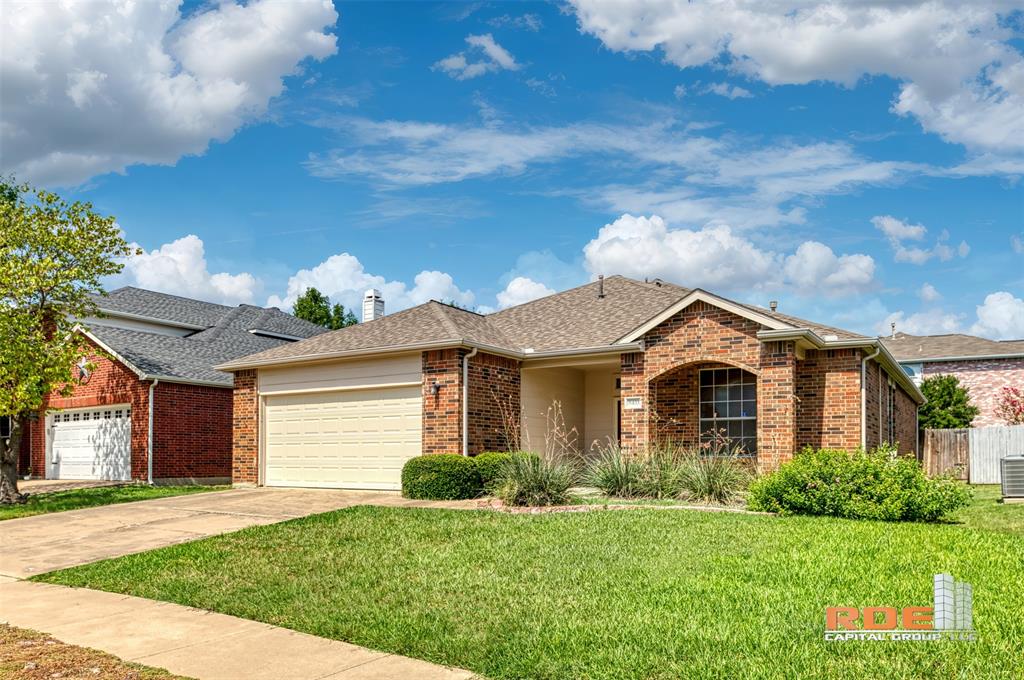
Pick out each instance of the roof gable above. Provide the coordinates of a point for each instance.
(698, 295)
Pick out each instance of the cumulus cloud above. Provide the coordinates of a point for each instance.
(94, 87)
(929, 322)
(898, 232)
(715, 257)
(958, 73)
(344, 279)
(520, 290)
(928, 293)
(1000, 316)
(180, 268)
(488, 54)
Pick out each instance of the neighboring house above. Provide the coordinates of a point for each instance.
(629, 362)
(983, 366)
(152, 407)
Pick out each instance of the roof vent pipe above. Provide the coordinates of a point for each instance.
(600, 286)
(893, 327)
(774, 304)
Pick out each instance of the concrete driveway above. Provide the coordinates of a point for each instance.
(34, 545)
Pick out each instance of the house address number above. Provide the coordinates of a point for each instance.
(633, 403)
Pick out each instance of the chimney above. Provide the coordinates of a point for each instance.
(600, 286)
(773, 305)
(893, 327)
(373, 305)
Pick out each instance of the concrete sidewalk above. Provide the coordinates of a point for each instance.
(197, 643)
(35, 545)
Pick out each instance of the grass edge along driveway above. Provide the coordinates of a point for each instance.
(638, 594)
(75, 499)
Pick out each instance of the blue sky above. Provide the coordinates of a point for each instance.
(859, 164)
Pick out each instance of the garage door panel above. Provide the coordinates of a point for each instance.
(90, 444)
(350, 439)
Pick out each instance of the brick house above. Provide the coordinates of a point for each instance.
(152, 407)
(983, 366)
(626, 361)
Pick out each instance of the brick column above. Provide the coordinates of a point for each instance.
(776, 410)
(442, 412)
(635, 423)
(245, 430)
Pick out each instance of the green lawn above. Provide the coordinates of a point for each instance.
(59, 501)
(617, 595)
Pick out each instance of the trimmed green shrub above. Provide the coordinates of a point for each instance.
(857, 485)
(491, 465)
(441, 477)
(529, 480)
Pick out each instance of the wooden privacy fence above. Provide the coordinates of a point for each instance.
(971, 455)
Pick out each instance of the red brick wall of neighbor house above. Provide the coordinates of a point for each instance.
(110, 383)
(494, 398)
(828, 399)
(985, 379)
(705, 334)
(245, 429)
(192, 426)
(442, 412)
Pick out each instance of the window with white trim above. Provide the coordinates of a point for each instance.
(728, 407)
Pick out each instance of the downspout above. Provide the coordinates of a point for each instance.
(465, 400)
(149, 436)
(864, 397)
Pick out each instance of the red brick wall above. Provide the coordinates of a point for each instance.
(828, 399)
(494, 387)
(245, 429)
(442, 412)
(985, 379)
(878, 412)
(704, 334)
(110, 383)
(192, 431)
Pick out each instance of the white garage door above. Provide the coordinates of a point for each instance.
(355, 439)
(90, 444)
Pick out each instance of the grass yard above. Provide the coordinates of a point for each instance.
(27, 655)
(76, 499)
(616, 595)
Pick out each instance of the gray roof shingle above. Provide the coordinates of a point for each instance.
(574, 319)
(929, 347)
(225, 335)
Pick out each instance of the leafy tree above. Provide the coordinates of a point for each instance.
(315, 307)
(1011, 406)
(54, 255)
(948, 406)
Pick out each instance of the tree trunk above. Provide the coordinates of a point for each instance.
(10, 447)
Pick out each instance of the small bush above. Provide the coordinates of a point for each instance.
(491, 465)
(857, 485)
(528, 480)
(441, 477)
(713, 479)
(668, 471)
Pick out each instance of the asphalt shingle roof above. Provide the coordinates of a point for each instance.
(924, 347)
(574, 319)
(225, 335)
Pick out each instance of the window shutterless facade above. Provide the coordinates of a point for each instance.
(728, 407)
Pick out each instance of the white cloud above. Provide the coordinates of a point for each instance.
(344, 279)
(898, 231)
(718, 259)
(494, 57)
(928, 293)
(520, 290)
(94, 87)
(180, 268)
(1001, 317)
(930, 322)
(528, 22)
(720, 89)
(958, 73)
(1017, 243)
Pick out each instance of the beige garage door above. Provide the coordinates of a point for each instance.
(355, 439)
